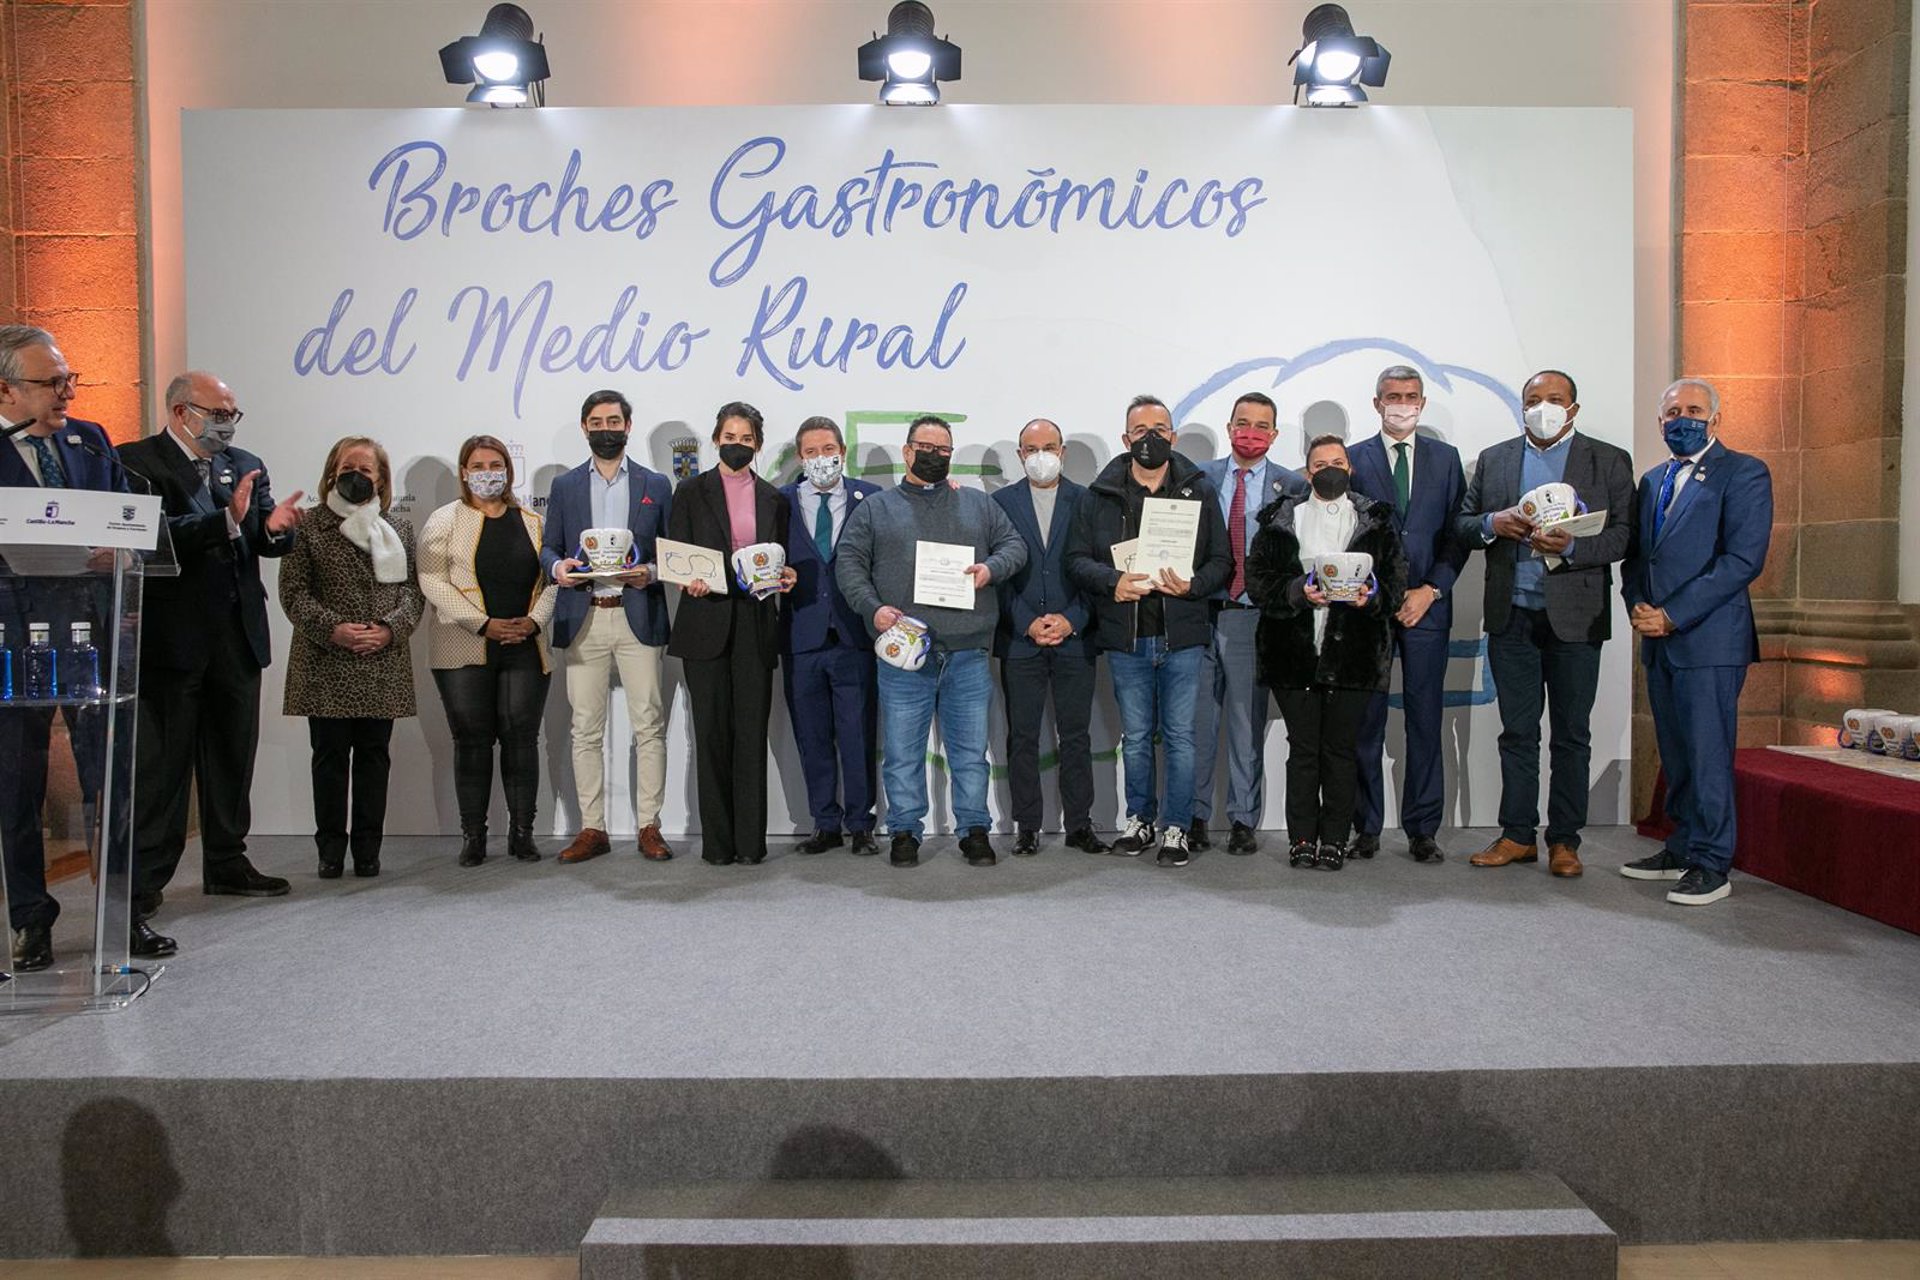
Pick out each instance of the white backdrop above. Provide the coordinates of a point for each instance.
(421, 275)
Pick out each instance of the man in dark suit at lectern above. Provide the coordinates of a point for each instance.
(55, 452)
(1704, 520)
(828, 670)
(203, 643)
(1549, 606)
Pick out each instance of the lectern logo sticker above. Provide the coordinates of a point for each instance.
(127, 513)
(53, 511)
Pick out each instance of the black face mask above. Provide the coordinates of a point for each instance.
(931, 467)
(735, 456)
(1331, 482)
(607, 445)
(354, 487)
(1152, 450)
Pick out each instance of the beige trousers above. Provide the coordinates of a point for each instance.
(606, 643)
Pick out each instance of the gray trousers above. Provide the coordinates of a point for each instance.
(1231, 693)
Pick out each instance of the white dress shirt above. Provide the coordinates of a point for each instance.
(27, 455)
(1324, 528)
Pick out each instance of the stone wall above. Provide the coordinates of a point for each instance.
(70, 229)
(1791, 300)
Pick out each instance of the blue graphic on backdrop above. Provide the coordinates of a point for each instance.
(1439, 374)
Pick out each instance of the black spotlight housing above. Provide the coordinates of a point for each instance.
(1332, 62)
(505, 63)
(909, 61)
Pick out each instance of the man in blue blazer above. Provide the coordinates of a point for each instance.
(1044, 645)
(1231, 690)
(608, 625)
(1420, 478)
(56, 452)
(1704, 520)
(829, 660)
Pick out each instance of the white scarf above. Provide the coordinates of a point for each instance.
(1323, 528)
(368, 530)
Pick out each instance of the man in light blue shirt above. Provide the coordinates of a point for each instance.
(1246, 480)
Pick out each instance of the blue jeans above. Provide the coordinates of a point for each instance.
(958, 687)
(1156, 691)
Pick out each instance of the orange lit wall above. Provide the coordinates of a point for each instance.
(69, 195)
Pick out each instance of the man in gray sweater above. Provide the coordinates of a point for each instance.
(874, 565)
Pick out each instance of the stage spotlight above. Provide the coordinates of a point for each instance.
(910, 61)
(1333, 62)
(505, 64)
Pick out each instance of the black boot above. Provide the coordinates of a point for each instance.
(473, 844)
(333, 860)
(520, 841)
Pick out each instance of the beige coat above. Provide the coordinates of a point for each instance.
(447, 580)
(325, 580)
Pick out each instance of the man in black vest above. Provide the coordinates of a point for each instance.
(203, 643)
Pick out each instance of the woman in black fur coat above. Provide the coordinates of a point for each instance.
(1324, 660)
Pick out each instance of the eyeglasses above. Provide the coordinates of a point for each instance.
(938, 450)
(218, 417)
(65, 382)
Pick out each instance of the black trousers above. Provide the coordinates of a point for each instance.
(1531, 666)
(349, 760)
(1323, 732)
(1025, 681)
(731, 697)
(198, 729)
(26, 735)
(487, 704)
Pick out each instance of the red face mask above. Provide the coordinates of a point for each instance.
(1250, 442)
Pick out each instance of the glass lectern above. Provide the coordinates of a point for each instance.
(69, 668)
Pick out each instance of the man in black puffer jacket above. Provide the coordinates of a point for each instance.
(1153, 628)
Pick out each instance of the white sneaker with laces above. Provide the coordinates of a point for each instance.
(1135, 838)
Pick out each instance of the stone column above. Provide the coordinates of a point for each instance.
(1791, 299)
(73, 222)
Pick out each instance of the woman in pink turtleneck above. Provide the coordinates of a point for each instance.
(727, 641)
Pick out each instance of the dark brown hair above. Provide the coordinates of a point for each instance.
(467, 451)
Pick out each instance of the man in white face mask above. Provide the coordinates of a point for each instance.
(1044, 646)
(1548, 611)
(1419, 477)
(827, 659)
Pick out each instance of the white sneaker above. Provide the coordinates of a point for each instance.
(1173, 848)
(1135, 838)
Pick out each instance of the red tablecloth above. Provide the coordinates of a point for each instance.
(1846, 836)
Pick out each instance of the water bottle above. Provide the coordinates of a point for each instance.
(83, 664)
(6, 666)
(43, 664)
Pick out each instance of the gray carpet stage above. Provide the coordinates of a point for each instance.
(470, 1061)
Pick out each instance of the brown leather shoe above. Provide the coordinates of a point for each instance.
(590, 843)
(1502, 851)
(1563, 860)
(653, 845)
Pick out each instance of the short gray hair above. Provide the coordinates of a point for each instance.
(1398, 373)
(1713, 396)
(179, 391)
(15, 338)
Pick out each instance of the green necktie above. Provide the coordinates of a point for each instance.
(1402, 477)
(823, 529)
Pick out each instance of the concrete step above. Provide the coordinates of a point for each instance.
(1327, 1228)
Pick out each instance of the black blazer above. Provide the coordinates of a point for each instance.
(219, 580)
(1358, 650)
(703, 627)
(1580, 591)
(1041, 586)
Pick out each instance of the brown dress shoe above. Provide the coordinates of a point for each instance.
(1563, 860)
(653, 845)
(590, 843)
(1503, 851)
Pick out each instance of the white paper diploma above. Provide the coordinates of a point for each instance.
(684, 562)
(1169, 533)
(940, 577)
(1584, 525)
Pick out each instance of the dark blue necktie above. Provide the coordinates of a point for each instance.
(1666, 494)
(52, 474)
